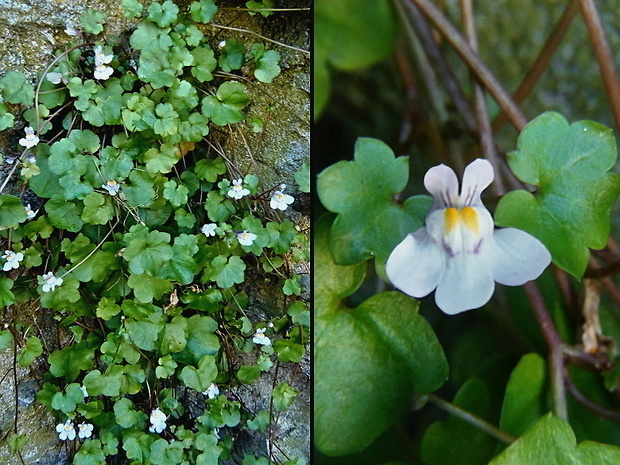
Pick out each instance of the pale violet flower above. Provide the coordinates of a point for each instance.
(246, 238)
(237, 191)
(212, 391)
(103, 72)
(31, 159)
(50, 282)
(208, 229)
(112, 187)
(100, 57)
(12, 260)
(30, 140)
(66, 431)
(85, 430)
(260, 338)
(280, 201)
(459, 252)
(158, 421)
(72, 31)
(30, 213)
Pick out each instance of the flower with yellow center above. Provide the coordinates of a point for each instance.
(459, 253)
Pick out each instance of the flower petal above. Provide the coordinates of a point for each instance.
(443, 184)
(517, 257)
(476, 178)
(467, 282)
(416, 264)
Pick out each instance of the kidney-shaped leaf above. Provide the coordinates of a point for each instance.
(570, 163)
(369, 361)
(551, 441)
(360, 191)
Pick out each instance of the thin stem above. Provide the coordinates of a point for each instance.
(603, 54)
(437, 59)
(472, 419)
(601, 411)
(480, 107)
(471, 58)
(542, 60)
(554, 342)
(603, 271)
(261, 36)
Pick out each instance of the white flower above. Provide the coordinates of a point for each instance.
(222, 44)
(85, 430)
(54, 78)
(260, 338)
(31, 159)
(208, 229)
(237, 190)
(103, 72)
(158, 421)
(51, 282)
(212, 391)
(72, 31)
(112, 187)
(30, 213)
(66, 431)
(100, 57)
(83, 388)
(459, 252)
(246, 238)
(12, 260)
(280, 201)
(30, 140)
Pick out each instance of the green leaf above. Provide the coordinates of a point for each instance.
(64, 215)
(551, 441)
(360, 191)
(299, 313)
(166, 367)
(175, 193)
(201, 339)
(292, 286)
(125, 414)
(97, 209)
(6, 337)
(302, 177)
(15, 89)
(453, 440)
(232, 55)
(288, 351)
(283, 396)
(227, 272)
(267, 68)
(7, 120)
(12, 212)
(144, 333)
(164, 14)
(247, 374)
(62, 297)
(162, 159)
(200, 379)
(359, 352)
(146, 251)
(203, 11)
(525, 398)
(106, 308)
(90, 453)
(210, 169)
(204, 63)
(342, 39)
(174, 336)
(146, 287)
(92, 21)
(225, 107)
(571, 210)
(71, 360)
(133, 8)
(67, 402)
(30, 351)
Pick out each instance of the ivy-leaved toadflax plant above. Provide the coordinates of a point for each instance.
(459, 252)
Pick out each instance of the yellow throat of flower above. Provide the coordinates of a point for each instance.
(467, 215)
